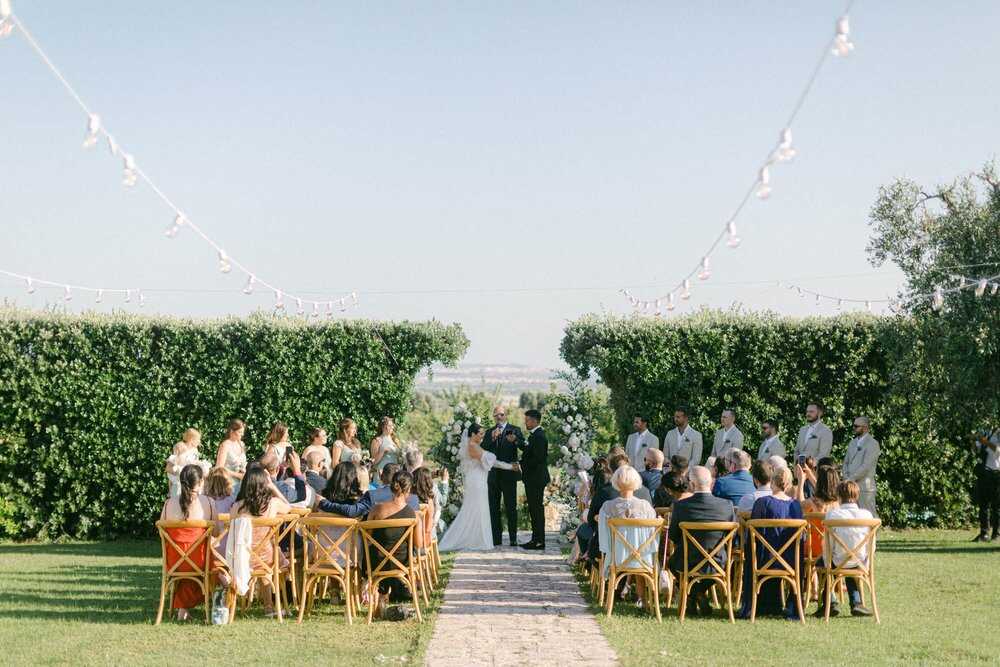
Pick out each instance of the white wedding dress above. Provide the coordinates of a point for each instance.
(471, 530)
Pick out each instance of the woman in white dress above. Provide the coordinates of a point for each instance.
(232, 454)
(317, 440)
(277, 442)
(471, 529)
(185, 452)
(385, 446)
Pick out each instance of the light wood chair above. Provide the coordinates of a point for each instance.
(327, 558)
(289, 530)
(260, 569)
(863, 569)
(666, 548)
(423, 559)
(634, 564)
(385, 564)
(185, 566)
(433, 557)
(775, 566)
(740, 554)
(707, 568)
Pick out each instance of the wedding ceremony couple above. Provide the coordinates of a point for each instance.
(491, 462)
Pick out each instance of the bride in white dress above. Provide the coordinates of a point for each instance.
(471, 529)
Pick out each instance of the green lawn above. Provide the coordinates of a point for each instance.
(95, 603)
(939, 597)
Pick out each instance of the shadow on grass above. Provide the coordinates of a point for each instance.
(936, 547)
(119, 549)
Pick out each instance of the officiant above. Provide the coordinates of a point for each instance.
(503, 440)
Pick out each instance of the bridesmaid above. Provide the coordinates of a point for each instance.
(316, 442)
(346, 447)
(385, 446)
(232, 454)
(277, 441)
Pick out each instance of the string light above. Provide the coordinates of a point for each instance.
(996, 288)
(249, 287)
(763, 183)
(842, 45)
(733, 240)
(670, 301)
(100, 296)
(784, 152)
(142, 299)
(67, 294)
(981, 287)
(128, 296)
(705, 272)
(131, 173)
(31, 285)
(686, 294)
(298, 305)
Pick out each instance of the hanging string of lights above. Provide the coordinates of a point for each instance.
(96, 131)
(839, 45)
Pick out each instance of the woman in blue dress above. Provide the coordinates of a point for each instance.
(776, 506)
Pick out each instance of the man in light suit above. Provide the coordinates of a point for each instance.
(772, 444)
(683, 439)
(639, 441)
(728, 437)
(815, 438)
(860, 461)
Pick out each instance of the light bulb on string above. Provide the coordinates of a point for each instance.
(764, 183)
(670, 301)
(329, 308)
(315, 312)
(354, 298)
(996, 288)
(249, 287)
(30, 284)
(817, 300)
(93, 127)
(279, 303)
(705, 272)
(6, 25)
(733, 239)
(938, 301)
(142, 299)
(800, 292)
(686, 294)
(981, 287)
(112, 146)
(175, 226)
(298, 306)
(343, 307)
(100, 296)
(784, 152)
(129, 174)
(67, 293)
(868, 306)
(128, 296)
(840, 304)
(224, 265)
(842, 45)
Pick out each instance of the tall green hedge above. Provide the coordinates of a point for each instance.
(769, 367)
(90, 406)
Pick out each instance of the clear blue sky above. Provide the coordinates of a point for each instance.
(401, 149)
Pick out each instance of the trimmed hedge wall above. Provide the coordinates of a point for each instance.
(766, 366)
(90, 406)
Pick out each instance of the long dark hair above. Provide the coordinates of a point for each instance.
(343, 486)
(827, 479)
(600, 475)
(255, 491)
(190, 476)
(423, 485)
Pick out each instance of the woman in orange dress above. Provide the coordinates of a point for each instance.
(190, 505)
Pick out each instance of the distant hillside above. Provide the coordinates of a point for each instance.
(512, 379)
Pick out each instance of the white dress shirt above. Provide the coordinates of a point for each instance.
(850, 536)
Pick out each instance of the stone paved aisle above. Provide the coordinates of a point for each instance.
(516, 607)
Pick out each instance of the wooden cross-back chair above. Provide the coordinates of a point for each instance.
(740, 553)
(665, 549)
(775, 566)
(718, 574)
(186, 566)
(260, 569)
(289, 531)
(423, 560)
(387, 565)
(325, 557)
(433, 557)
(634, 563)
(863, 569)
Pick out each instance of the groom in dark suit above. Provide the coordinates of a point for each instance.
(503, 440)
(535, 472)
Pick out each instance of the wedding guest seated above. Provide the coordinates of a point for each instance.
(777, 505)
(673, 487)
(370, 498)
(396, 507)
(620, 459)
(848, 493)
(719, 468)
(760, 471)
(412, 458)
(316, 444)
(601, 491)
(822, 501)
(627, 505)
(805, 477)
(260, 498)
(777, 462)
(679, 463)
(344, 487)
(423, 489)
(654, 470)
(219, 487)
(738, 482)
(293, 486)
(700, 506)
(189, 505)
(316, 475)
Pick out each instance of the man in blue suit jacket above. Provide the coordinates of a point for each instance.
(738, 482)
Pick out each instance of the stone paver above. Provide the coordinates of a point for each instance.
(516, 607)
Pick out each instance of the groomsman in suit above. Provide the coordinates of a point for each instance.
(683, 439)
(815, 438)
(503, 440)
(728, 437)
(639, 441)
(860, 461)
(535, 471)
(772, 444)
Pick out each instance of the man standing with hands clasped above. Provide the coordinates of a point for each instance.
(726, 438)
(535, 472)
(639, 442)
(859, 463)
(683, 439)
(815, 438)
(503, 440)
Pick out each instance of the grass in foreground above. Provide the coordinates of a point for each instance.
(938, 596)
(95, 603)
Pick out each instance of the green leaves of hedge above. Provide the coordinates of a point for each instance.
(90, 406)
(769, 367)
